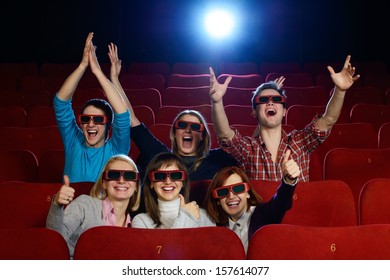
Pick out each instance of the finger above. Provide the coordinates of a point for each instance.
(227, 81)
(182, 201)
(211, 72)
(66, 180)
(331, 70)
(286, 155)
(346, 63)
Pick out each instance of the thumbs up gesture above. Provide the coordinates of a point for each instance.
(290, 169)
(192, 207)
(66, 193)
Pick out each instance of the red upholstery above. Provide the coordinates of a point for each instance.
(251, 81)
(27, 204)
(35, 139)
(145, 114)
(32, 244)
(238, 96)
(190, 68)
(306, 95)
(161, 132)
(149, 97)
(181, 96)
(147, 68)
(292, 242)
(238, 68)
(281, 67)
(301, 115)
(118, 243)
(194, 80)
(375, 114)
(240, 114)
(356, 166)
(384, 136)
(41, 116)
(374, 202)
(298, 79)
(324, 79)
(132, 81)
(13, 116)
(369, 95)
(198, 191)
(51, 166)
(316, 203)
(18, 165)
(82, 95)
(347, 135)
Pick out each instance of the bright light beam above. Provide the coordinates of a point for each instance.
(219, 23)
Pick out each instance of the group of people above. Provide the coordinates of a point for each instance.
(153, 190)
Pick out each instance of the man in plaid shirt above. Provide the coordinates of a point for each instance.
(261, 156)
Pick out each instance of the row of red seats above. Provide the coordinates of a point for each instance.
(322, 217)
(271, 242)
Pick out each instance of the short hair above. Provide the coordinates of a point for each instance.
(99, 192)
(212, 205)
(105, 107)
(268, 85)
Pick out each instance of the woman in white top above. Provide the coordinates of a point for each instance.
(166, 191)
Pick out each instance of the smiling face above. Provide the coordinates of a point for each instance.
(269, 114)
(167, 190)
(119, 190)
(234, 204)
(187, 139)
(95, 134)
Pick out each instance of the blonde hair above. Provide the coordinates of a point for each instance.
(100, 192)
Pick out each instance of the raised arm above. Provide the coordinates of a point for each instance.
(116, 66)
(343, 81)
(69, 86)
(220, 120)
(112, 94)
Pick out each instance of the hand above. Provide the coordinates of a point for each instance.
(116, 63)
(280, 81)
(217, 90)
(192, 207)
(93, 61)
(290, 168)
(345, 78)
(87, 49)
(66, 194)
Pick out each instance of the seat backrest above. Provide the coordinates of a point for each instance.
(32, 244)
(374, 202)
(41, 116)
(316, 203)
(299, 79)
(306, 95)
(292, 242)
(280, 67)
(238, 68)
(13, 116)
(147, 68)
(18, 165)
(182, 80)
(369, 95)
(132, 81)
(145, 114)
(375, 114)
(148, 97)
(356, 166)
(251, 81)
(240, 114)
(51, 166)
(27, 204)
(35, 139)
(384, 136)
(190, 68)
(161, 132)
(184, 96)
(118, 243)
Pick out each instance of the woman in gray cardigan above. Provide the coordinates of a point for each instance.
(166, 191)
(114, 196)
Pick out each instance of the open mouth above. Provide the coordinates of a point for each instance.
(187, 141)
(92, 132)
(271, 112)
(168, 188)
